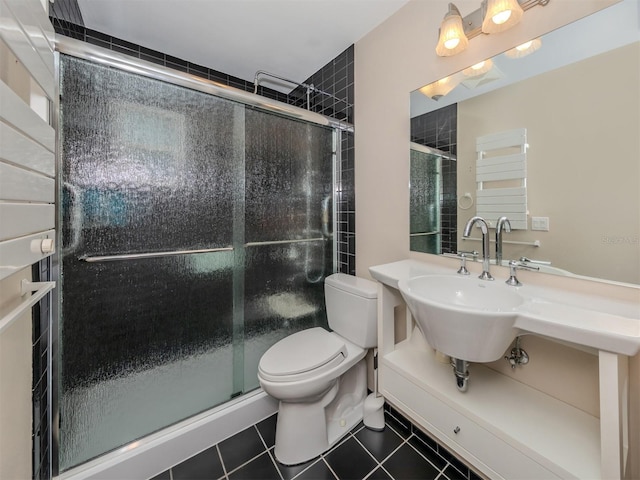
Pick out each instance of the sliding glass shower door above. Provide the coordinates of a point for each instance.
(196, 233)
(425, 200)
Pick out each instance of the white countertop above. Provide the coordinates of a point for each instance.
(587, 320)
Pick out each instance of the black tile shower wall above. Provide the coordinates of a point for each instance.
(346, 208)
(333, 97)
(40, 435)
(332, 88)
(67, 10)
(439, 129)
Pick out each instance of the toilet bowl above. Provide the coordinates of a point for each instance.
(320, 376)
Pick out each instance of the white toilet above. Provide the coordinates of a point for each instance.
(320, 377)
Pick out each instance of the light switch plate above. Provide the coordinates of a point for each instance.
(540, 224)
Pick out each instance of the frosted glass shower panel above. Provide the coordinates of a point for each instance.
(196, 232)
(149, 168)
(288, 231)
(425, 200)
(157, 174)
(288, 178)
(146, 343)
(284, 293)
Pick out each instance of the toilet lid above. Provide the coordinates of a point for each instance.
(303, 351)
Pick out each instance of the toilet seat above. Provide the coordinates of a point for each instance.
(303, 355)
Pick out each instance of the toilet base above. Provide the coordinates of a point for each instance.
(306, 430)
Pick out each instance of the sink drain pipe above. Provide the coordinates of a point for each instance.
(460, 370)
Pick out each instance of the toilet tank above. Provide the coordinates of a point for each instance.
(352, 308)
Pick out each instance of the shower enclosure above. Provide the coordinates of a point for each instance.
(425, 199)
(196, 232)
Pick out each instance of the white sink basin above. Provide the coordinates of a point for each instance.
(462, 316)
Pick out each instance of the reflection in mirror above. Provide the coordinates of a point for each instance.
(432, 218)
(580, 108)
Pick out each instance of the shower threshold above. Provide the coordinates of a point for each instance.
(160, 451)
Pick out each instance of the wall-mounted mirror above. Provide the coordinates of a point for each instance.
(578, 97)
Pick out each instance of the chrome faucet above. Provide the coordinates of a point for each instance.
(485, 275)
(503, 223)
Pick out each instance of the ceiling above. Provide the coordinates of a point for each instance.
(290, 38)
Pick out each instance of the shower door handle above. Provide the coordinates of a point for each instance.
(326, 201)
(138, 256)
(75, 218)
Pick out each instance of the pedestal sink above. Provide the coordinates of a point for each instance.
(462, 316)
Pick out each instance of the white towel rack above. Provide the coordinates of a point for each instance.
(39, 289)
(496, 163)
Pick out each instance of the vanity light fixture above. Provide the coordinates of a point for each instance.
(451, 37)
(439, 89)
(478, 69)
(501, 15)
(493, 16)
(525, 49)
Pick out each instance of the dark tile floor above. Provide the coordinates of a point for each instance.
(400, 452)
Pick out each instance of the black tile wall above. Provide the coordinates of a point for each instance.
(332, 96)
(66, 10)
(439, 129)
(40, 434)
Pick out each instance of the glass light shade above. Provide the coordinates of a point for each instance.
(439, 89)
(478, 69)
(452, 39)
(501, 15)
(524, 49)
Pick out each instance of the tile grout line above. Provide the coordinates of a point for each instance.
(247, 463)
(317, 460)
(447, 462)
(224, 468)
(329, 467)
(271, 456)
(379, 463)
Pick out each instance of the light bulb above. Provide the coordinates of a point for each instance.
(451, 43)
(500, 18)
(524, 46)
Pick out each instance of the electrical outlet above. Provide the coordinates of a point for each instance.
(540, 223)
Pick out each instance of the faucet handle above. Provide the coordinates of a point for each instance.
(463, 264)
(467, 253)
(538, 262)
(513, 266)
